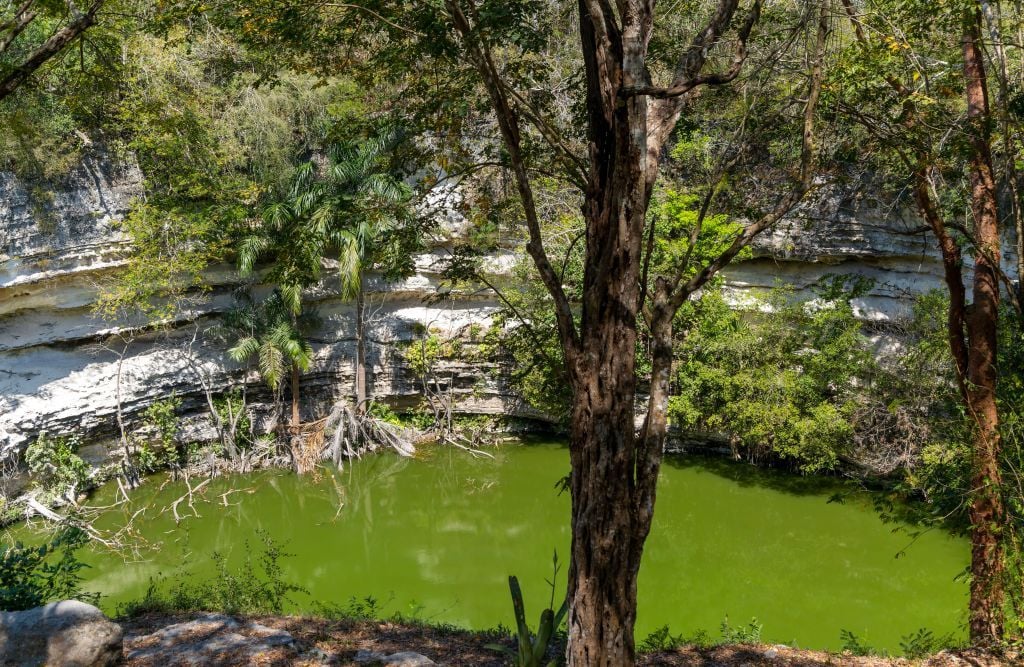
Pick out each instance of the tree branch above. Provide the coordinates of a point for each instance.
(48, 49)
(509, 125)
(681, 86)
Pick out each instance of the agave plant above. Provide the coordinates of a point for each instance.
(532, 648)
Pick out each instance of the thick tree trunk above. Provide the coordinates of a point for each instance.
(296, 420)
(610, 509)
(603, 573)
(986, 510)
(360, 349)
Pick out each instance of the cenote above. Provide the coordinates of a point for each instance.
(437, 535)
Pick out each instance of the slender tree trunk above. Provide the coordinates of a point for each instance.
(986, 510)
(296, 419)
(360, 349)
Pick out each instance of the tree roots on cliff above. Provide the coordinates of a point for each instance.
(348, 434)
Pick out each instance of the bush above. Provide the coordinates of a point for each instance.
(780, 383)
(55, 464)
(161, 452)
(742, 634)
(855, 645)
(32, 576)
(248, 589)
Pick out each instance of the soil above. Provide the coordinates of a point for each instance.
(339, 642)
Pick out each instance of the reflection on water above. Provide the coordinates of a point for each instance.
(442, 533)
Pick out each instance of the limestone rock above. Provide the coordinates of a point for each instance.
(406, 659)
(209, 639)
(57, 245)
(60, 634)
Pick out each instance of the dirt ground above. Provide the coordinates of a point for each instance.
(339, 642)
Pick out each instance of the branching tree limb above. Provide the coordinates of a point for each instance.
(81, 21)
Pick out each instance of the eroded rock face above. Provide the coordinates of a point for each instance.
(59, 367)
(60, 634)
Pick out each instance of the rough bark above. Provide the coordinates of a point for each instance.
(986, 510)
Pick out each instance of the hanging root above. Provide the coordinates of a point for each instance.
(345, 434)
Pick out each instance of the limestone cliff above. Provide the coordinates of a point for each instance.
(59, 366)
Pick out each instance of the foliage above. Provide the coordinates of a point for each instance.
(355, 207)
(779, 381)
(923, 643)
(273, 333)
(230, 405)
(355, 609)
(160, 421)
(33, 576)
(662, 639)
(212, 141)
(422, 355)
(741, 634)
(383, 412)
(855, 645)
(532, 649)
(250, 588)
(55, 464)
(685, 239)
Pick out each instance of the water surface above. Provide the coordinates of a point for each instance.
(438, 535)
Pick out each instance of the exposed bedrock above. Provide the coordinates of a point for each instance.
(59, 367)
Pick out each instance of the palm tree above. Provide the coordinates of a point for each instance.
(273, 333)
(353, 207)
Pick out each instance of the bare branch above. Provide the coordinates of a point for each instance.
(685, 85)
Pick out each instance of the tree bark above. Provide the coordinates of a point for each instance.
(986, 509)
(360, 360)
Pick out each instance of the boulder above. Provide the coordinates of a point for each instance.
(60, 634)
(406, 659)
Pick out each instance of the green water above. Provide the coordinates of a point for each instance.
(439, 535)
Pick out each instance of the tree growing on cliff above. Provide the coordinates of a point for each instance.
(274, 335)
(351, 208)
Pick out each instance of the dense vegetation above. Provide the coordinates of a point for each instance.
(301, 143)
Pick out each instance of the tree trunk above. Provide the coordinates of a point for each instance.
(360, 349)
(296, 420)
(608, 531)
(986, 510)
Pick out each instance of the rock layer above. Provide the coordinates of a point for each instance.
(59, 365)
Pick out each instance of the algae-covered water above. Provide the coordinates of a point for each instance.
(437, 536)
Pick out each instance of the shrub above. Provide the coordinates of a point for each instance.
(33, 576)
(855, 645)
(161, 452)
(55, 464)
(249, 589)
(742, 634)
